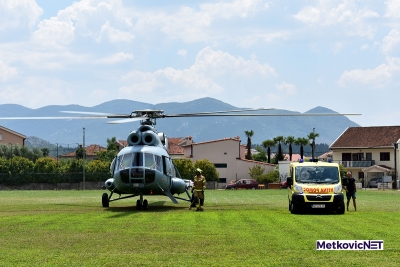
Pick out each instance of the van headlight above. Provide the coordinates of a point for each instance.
(298, 188)
(337, 189)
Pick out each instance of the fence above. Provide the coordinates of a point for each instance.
(10, 179)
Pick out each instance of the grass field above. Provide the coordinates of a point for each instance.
(237, 228)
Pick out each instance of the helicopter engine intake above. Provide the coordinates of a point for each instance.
(150, 138)
(134, 138)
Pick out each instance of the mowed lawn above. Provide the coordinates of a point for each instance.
(237, 228)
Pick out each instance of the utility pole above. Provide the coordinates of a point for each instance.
(313, 143)
(396, 145)
(83, 159)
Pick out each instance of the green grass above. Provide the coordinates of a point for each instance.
(237, 228)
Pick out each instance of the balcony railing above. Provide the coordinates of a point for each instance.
(356, 164)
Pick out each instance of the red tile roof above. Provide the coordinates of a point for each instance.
(90, 151)
(365, 137)
(173, 146)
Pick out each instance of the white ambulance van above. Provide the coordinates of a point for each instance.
(315, 186)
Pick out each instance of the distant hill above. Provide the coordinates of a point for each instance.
(68, 133)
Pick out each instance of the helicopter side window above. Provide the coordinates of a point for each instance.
(158, 161)
(112, 166)
(168, 167)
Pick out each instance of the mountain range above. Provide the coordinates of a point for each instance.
(69, 132)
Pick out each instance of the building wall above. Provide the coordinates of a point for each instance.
(8, 137)
(225, 152)
(337, 157)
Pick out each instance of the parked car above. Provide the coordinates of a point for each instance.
(374, 182)
(244, 184)
(284, 184)
(189, 184)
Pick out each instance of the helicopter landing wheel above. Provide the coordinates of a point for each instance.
(138, 205)
(145, 205)
(105, 201)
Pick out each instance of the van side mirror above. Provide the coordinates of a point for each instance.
(345, 181)
(289, 181)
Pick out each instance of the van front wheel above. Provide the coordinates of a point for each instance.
(293, 208)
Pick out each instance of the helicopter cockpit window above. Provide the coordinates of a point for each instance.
(125, 161)
(149, 160)
(137, 160)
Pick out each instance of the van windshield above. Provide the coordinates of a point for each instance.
(319, 175)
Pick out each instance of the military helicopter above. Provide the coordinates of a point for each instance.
(144, 167)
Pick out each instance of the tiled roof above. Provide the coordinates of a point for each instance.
(90, 151)
(376, 136)
(258, 162)
(173, 146)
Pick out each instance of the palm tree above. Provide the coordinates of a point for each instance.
(289, 141)
(312, 137)
(279, 139)
(249, 134)
(268, 144)
(301, 141)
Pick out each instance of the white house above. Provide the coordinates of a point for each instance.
(368, 152)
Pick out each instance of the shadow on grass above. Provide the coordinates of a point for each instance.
(153, 207)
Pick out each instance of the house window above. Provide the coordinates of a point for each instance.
(385, 156)
(1, 136)
(222, 180)
(346, 156)
(368, 156)
(357, 156)
(220, 165)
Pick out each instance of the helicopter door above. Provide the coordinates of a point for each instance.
(168, 168)
(137, 169)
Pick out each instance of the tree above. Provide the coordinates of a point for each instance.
(45, 152)
(79, 153)
(261, 155)
(279, 155)
(97, 166)
(301, 141)
(208, 168)
(268, 144)
(249, 134)
(289, 141)
(312, 137)
(256, 172)
(185, 168)
(45, 165)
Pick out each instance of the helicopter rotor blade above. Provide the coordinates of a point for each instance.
(224, 111)
(127, 120)
(100, 114)
(260, 115)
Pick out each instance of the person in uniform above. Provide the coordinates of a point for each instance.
(199, 185)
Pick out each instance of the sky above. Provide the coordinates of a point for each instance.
(295, 55)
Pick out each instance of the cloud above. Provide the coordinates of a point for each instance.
(114, 35)
(200, 79)
(18, 13)
(182, 52)
(391, 41)
(354, 18)
(54, 32)
(392, 9)
(6, 72)
(375, 77)
(196, 25)
(116, 58)
(287, 88)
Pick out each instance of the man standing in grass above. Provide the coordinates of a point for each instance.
(351, 190)
(199, 185)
